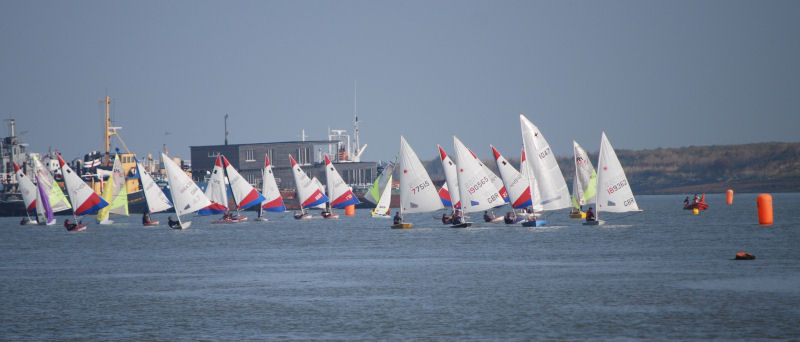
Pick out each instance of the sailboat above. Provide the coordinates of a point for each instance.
(339, 193)
(216, 191)
(186, 195)
(28, 193)
(544, 168)
(269, 189)
(518, 187)
(44, 211)
(584, 185)
(615, 194)
(451, 180)
(154, 199)
(309, 193)
(417, 192)
(84, 200)
(379, 194)
(384, 200)
(244, 194)
(58, 201)
(374, 192)
(115, 192)
(477, 191)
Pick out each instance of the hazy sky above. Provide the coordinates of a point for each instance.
(649, 73)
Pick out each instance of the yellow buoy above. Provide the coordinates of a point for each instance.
(764, 202)
(695, 211)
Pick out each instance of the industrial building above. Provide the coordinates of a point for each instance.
(248, 159)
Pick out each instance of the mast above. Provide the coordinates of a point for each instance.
(107, 133)
(357, 148)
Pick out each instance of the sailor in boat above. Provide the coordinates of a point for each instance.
(146, 218)
(686, 202)
(397, 218)
(510, 217)
(589, 215)
(446, 219)
(69, 225)
(457, 217)
(23, 222)
(487, 217)
(696, 199)
(171, 222)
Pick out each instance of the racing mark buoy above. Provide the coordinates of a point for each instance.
(764, 202)
(744, 256)
(729, 196)
(695, 211)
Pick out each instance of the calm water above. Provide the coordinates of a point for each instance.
(660, 274)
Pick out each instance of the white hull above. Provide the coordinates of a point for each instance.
(594, 223)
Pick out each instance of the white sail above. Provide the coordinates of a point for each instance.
(614, 193)
(475, 187)
(519, 189)
(84, 200)
(527, 173)
(339, 193)
(382, 208)
(451, 177)
(58, 201)
(28, 190)
(155, 199)
(550, 181)
(216, 192)
(417, 192)
(244, 194)
(584, 186)
(269, 188)
(186, 195)
(309, 193)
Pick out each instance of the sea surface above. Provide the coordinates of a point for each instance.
(661, 274)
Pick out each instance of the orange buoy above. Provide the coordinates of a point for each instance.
(350, 210)
(729, 196)
(745, 256)
(764, 202)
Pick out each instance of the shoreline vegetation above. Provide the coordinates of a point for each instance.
(757, 167)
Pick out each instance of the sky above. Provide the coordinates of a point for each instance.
(649, 73)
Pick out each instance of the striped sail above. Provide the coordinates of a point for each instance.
(309, 193)
(244, 193)
(451, 180)
(84, 200)
(269, 189)
(339, 193)
(519, 190)
(216, 191)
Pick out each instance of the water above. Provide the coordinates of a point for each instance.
(659, 275)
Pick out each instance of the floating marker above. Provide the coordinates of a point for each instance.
(729, 196)
(695, 211)
(350, 210)
(764, 202)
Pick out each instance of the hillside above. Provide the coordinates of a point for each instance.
(761, 167)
